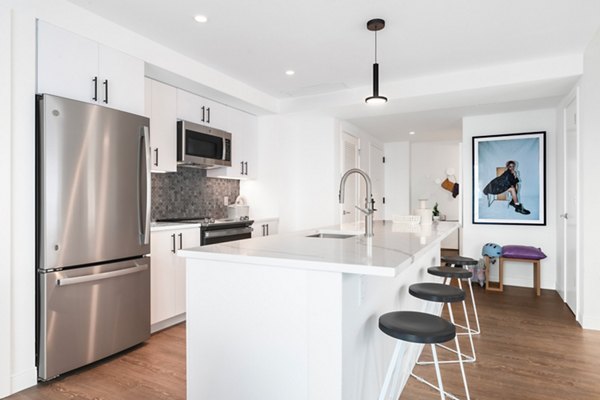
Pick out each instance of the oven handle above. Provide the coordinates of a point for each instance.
(227, 232)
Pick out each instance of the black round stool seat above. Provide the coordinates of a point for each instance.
(450, 272)
(436, 292)
(417, 327)
(459, 260)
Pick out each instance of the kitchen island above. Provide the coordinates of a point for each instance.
(295, 316)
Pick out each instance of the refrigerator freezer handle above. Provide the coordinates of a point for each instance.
(101, 276)
(144, 215)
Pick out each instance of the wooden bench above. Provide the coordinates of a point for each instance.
(500, 287)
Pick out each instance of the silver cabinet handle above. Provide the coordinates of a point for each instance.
(98, 277)
(180, 241)
(242, 164)
(173, 250)
(246, 164)
(344, 212)
(565, 215)
(267, 229)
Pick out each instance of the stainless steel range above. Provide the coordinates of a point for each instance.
(218, 230)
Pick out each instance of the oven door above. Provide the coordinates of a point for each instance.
(202, 146)
(225, 235)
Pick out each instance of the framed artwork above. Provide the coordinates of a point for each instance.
(509, 179)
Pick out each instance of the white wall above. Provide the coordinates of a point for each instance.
(397, 179)
(297, 179)
(590, 187)
(475, 236)
(428, 163)
(5, 202)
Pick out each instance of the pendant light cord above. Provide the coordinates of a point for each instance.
(375, 47)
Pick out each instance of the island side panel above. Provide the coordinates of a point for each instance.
(262, 332)
(366, 350)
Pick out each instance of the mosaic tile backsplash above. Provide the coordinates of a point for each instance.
(189, 193)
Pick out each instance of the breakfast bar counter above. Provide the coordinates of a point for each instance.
(294, 316)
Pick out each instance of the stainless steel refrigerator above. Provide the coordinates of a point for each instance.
(92, 233)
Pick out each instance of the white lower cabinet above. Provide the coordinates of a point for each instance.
(167, 276)
(265, 227)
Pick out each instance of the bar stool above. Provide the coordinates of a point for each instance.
(416, 327)
(461, 262)
(459, 273)
(440, 293)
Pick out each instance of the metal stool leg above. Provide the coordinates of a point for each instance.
(460, 360)
(478, 330)
(383, 395)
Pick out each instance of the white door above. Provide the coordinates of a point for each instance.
(349, 161)
(376, 172)
(571, 210)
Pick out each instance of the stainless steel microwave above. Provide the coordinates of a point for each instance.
(202, 146)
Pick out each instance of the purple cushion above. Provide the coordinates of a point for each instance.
(528, 252)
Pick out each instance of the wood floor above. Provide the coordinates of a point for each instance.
(530, 348)
(153, 370)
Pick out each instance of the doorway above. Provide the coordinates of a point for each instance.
(350, 160)
(571, 204)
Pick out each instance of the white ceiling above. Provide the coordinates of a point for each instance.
(326, 41)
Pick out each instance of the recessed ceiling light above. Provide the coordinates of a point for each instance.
(411, 132)
(290, 72)
(201, 18)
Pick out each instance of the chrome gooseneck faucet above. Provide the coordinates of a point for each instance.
(369, 201)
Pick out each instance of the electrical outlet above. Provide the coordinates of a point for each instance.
(226, 200)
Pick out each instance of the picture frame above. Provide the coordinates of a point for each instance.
(509, 179)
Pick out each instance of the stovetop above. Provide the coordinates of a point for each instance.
(208, 221)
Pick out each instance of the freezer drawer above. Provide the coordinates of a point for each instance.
(89, 313)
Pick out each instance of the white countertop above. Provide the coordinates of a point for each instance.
(167, 226)
(392, 248)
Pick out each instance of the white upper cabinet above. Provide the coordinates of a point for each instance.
(78, 68)
(161, 107)
(121, 83)
(243, 128)
(197, 109)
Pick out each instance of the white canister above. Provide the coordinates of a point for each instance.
(236, 211)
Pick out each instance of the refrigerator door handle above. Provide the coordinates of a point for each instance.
(98, 277)
(146, 164)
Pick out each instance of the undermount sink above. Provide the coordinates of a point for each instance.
(332, 235)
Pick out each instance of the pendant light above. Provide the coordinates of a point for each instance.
(376, 25)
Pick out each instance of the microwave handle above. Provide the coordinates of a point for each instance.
(224, 149)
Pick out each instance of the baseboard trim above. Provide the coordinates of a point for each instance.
(159, 326)
(592, 323)
(23, 380)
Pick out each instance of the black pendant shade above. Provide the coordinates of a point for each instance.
(376, 25)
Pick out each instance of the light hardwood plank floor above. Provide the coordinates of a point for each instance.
(530, 348)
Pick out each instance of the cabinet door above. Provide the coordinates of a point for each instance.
(190, 238)
(243, 128)
(121, 84)
(197, 109)
(190, 107)
(273, 227)
(248, 133)
(217, 115)
(162, 277)
(67, 64)
(163, 127)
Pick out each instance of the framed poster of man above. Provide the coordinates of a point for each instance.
(509, 179)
